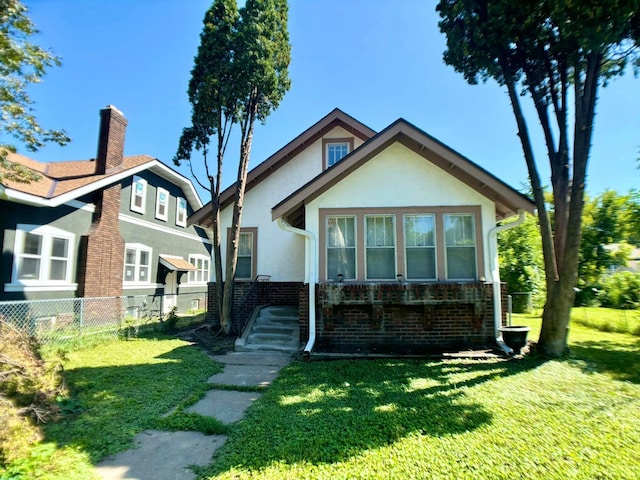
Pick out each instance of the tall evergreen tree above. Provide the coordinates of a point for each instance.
(240, 76)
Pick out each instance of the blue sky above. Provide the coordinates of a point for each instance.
(377, 60)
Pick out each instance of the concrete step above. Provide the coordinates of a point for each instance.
(275, 329)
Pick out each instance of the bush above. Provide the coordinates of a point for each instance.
(621, 290)
(28, 389)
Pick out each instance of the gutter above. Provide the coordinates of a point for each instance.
(309, 276)
(495, 278)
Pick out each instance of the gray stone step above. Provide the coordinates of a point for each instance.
(275, 329)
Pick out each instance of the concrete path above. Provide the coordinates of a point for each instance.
(167, 455)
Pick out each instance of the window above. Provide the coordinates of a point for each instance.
(162, 204)
(460, 246)
(245, 256)
(203, 266)
(420, 247)
(137, 263)
(418, 244)
(341, 248)
(138, 194)
(381, 247)
(181, 212)
(334, 150)
(42, 255)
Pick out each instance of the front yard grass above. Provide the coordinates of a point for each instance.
(118, 389)
(574, 418)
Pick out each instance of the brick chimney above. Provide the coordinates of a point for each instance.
(113, 126)
(102, 250)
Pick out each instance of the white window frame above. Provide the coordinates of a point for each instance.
(181, 209)
(342, 145)
(353, 247)
(42, 283)
(134, 194)
(251, 257)
(433, 247)
(454, 246)
(138, 248)
(368, 247)
(204, 273)
(159, 193)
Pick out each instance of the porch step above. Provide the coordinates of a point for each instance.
(273, 329)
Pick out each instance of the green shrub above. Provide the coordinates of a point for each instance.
(621, 290)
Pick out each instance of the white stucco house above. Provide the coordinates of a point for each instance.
(386, 241)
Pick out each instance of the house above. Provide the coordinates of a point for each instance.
(385, 241)
(105, 227)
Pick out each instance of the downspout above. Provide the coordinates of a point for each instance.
(495, 278)
(309, 276)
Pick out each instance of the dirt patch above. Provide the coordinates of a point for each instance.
(210, 338)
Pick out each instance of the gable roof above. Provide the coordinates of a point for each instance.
(507, 200)
(61, 182)
(335, 118)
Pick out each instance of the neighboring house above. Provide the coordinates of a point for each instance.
(386, 241)
(104, 227)
(633, 260)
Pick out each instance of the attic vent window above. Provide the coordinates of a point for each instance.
(335, 152)
(335, 149)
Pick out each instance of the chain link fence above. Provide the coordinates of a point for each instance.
(70, 319)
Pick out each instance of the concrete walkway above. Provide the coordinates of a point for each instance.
(167, 455)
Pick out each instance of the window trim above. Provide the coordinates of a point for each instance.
(254, 259)
(138, 247)
(399, 212)
(193, 258)
(48, 232)
(134, 181)
(159, 192)
(355, 245)
(434, 247)
(329, 141)
(367, 247)
(182, 223)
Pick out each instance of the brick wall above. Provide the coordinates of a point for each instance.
(397, 318)
(101, 258)
(248, 295)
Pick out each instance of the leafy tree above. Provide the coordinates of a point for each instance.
(603, 223)
(21, 63)
(632, 219)
(240, 76)
(521, 263)
(556, 52)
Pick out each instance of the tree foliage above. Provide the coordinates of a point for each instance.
(521, 264)
(22, 63)
(240, 75)
(558, 53)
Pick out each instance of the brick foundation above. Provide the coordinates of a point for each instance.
(403, 318)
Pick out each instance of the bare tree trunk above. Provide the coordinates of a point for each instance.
(234, 236)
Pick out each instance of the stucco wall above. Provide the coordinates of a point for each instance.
(398, 177)
(280, 254)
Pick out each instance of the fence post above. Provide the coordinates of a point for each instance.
(81, 313)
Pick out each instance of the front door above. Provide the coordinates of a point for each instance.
(170, 299)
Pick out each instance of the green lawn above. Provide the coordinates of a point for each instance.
(577, 418)
(118, 389)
